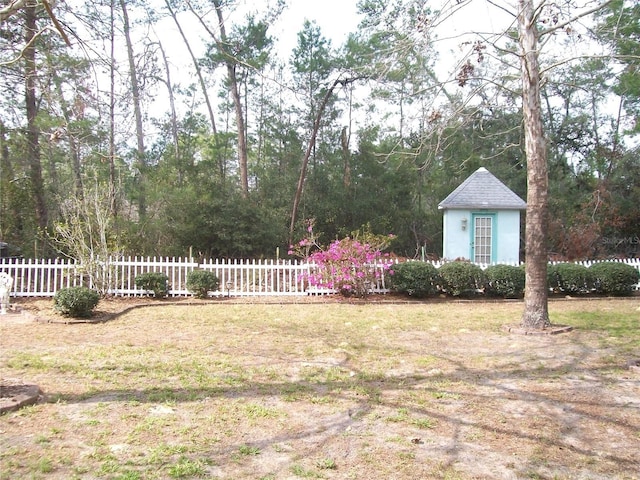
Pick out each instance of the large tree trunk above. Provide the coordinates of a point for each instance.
(31, 104)
(137, 110)
(536, 314)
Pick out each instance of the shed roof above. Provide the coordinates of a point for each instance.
(483, 190)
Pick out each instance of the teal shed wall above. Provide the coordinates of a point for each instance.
(458, 243)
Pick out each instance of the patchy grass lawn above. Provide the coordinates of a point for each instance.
(331, 390)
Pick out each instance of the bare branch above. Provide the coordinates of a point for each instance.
(11, 9)
(25, 47)
(55, 22)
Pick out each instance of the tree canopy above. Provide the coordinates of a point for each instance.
(201, 133)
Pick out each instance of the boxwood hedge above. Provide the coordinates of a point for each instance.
(462, 278)
(201, 282)
(156, 282)
(417, 279)
(505, 281)
(614, 278)
(77, 302)
(570, 278)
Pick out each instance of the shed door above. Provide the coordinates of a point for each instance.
(482, 238)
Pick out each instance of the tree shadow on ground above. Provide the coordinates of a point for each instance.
(365, 393)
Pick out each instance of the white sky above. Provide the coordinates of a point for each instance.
(336, 19)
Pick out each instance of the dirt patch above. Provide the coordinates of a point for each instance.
(550, 330)
(13, 397)
(323, 388)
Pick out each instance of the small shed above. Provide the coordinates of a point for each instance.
(482, 220)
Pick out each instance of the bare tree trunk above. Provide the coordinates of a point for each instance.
(137, 110)
(221, 43)
(243, 159)
(31, 103)
(237, 102)
(346, 157)
(76, 165)
(312, 142)
(536, 313)
(6, 168)
(113, 204)
(196, 65)
(172, 104)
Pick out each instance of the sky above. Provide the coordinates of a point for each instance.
(336, 19)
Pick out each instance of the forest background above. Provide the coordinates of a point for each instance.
(110, 142)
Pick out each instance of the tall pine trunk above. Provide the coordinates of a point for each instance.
(196, 65)
(113, 202)
(76, 162)
(237, 102)
(536, 314)
(137, 111)
(311, 145)
(31, 105)
(172, 106)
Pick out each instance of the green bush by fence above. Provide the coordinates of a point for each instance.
(201, 282)
(614, 278)
(462, 278)
(505, 281)
(417, 279)
(459, 278)
(570, 278)
(156, 282)
(77, 302)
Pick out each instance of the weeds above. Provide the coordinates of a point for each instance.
(344, 391)
(300, 471)
(248, 450)
(185, 468)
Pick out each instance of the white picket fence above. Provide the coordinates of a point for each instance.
(42, 278)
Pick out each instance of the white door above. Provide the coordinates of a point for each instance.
(482, 238)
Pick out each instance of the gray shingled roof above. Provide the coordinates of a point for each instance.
(483, 190)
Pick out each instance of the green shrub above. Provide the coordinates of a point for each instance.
(614, 278)
(418, 279)
(77, 302)
(157, 282)
(201, 282)
(462, 278)
(569, 278)
(505, 281)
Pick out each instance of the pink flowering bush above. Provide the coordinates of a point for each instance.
(350, 266)
(304, 247)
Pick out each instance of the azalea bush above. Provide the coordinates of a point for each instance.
(349, 266)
